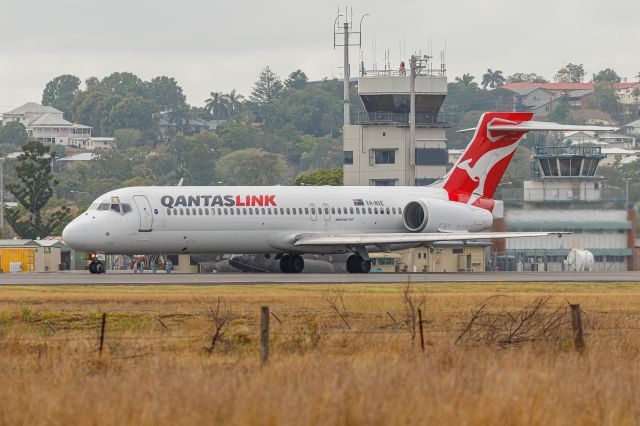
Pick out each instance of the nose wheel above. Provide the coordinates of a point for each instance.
(96, 267)
(291, 263)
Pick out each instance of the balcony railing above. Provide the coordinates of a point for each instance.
(562, 151)
(430, 72)
(422, 119)
(560, 195)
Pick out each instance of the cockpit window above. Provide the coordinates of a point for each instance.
(126, 208)
(115, 208)
(104, 206)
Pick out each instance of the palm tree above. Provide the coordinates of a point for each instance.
(234, 100)
(638, 77)
(492, 79)
(217, 105)
(466, 79)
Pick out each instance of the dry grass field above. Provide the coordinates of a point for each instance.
(339, 355)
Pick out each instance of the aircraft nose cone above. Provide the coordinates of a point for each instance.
(75, 235)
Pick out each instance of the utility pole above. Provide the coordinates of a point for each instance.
(346, 30)
(417, 64)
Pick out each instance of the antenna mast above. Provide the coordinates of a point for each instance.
(345, 29)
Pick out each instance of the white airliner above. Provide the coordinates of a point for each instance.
(290, 221)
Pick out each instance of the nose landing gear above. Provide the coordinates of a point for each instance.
(96, 266)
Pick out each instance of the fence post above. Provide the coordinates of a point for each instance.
(104, 321)
(264, 334)
(576, 325)
(421, 331)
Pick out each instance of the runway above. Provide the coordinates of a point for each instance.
(131, 279)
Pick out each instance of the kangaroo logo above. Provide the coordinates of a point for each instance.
(481, 169)
(497, 121)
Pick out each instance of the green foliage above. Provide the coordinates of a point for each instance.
(93, 106)
(333, 177)
(165, 92)
(607, 76)
(132, 112)
(128, 138)
(296, 80)
(521, 77)
(33, 190)
(124, 84)
(604, 98)
(252, 167)
(268, 88)
(466, 80)
(576, 72)
(59, 93)
(13, 133)
(492, 79)
(561, 113)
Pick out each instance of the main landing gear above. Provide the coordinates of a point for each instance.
(291, 263)
(96, 267)
(358, 265)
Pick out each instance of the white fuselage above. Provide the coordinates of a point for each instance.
(218, 219)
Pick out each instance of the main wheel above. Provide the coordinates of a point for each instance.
(285, 263)
(296, 264)
(353, 262)
(92, 268)
(365, 266)
(100, 268)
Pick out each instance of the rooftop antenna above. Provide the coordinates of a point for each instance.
(345, 29)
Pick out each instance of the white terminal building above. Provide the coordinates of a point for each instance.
(566, 193)
(377, 140)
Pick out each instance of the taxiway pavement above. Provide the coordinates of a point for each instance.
(161, 278)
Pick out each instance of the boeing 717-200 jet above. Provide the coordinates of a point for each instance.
(290, 221)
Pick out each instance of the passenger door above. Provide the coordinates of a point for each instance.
(144, 211)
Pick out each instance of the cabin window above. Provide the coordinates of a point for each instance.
(257, 211)
(226, 212)
(393, 209)
(333, 210)
(181, 212)
(206, 211)
(194, 211)
(263, 211)
(313, 210)
(399, 210)
(275, 211)
(168, 212)
(175, 212)
(370, 210)
(200, 212)
(294, 210)
(357, 210)
(232, 211)
(339, 210)
(188, 212)
(269, 211)
(375, 210)
(388, 210)
(251, 212)
(351, 210)
(306, 210)
(326, 210)
(288, 211)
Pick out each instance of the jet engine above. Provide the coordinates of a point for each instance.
(429, 215)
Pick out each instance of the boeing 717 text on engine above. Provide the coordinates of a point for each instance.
(292, 221)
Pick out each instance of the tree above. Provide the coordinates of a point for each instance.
(13, 133)
(165, 92)
(332, 177)
(132, 113)
(296, 80)
(604, 98)
(492, 79)
(218, 105)
(127, 138)
(561, 112)
(33, 190)
(59, 93)
(576, 72)
(234, 101)
(93, 106)
(521, 77)
(607, 76)
(124, 84)
(252, 167)
(466, 79)
(268, 88)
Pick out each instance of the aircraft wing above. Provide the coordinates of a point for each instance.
(400, 238)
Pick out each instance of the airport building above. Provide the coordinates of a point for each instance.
(565, 193)
(377, 140)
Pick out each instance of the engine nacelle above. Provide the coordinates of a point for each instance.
(439, 215)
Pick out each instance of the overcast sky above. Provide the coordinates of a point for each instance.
(218, 46)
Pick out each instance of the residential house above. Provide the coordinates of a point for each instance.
(47, 124)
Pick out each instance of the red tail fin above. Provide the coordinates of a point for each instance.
(475, 176)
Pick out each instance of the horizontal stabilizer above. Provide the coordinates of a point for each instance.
(532, 126)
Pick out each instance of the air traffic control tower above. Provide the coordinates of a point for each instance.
(377, 140)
